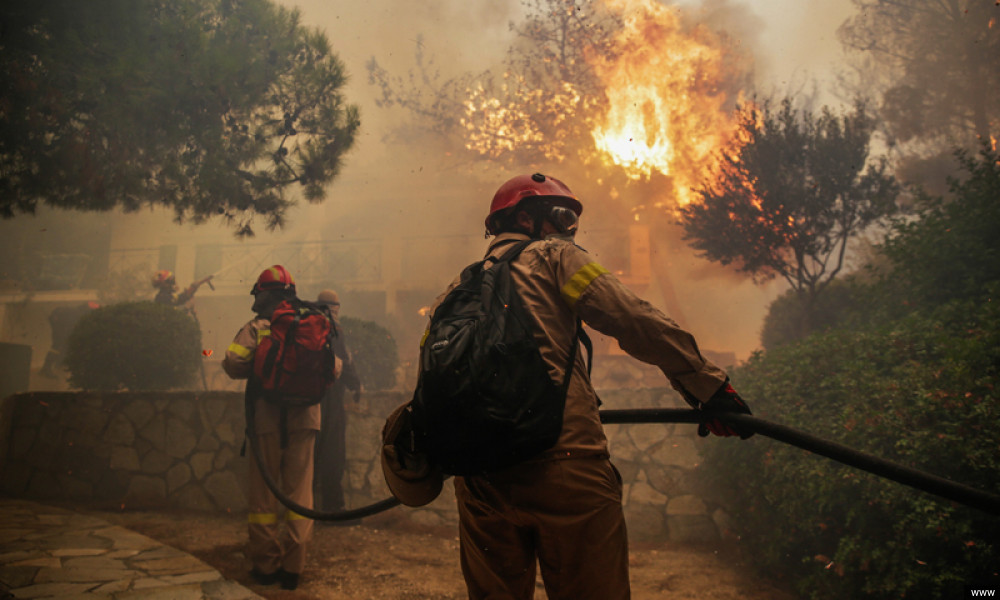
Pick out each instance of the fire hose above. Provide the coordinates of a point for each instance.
(932, 484)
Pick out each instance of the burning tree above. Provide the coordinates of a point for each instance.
(627, 84)
(786, 200)
(209, 108)
(629, 91)
(534, 107)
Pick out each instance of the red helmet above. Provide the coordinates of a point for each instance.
(163, 278)
(274, 278)
(526, 186)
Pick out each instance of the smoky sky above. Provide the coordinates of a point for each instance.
(401, 191)
(391, 190)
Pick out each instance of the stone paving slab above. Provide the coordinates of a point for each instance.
(48, 552)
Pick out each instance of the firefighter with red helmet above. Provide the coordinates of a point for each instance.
(277, 549)
(331, 443)
(562, 509)
(165, 285)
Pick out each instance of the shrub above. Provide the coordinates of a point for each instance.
(784, 322)
(134, 346)
(922, 392)
(953, 250)
(374, 350)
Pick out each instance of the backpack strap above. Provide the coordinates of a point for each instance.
(580, 336)
(572, 357)
(513, 252)
(587, 344)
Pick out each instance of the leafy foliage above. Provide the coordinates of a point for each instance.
(212, 108)
(952, 250)
(786, 202)
(374, 352)
(134, 346)
(910, 374)
(921, 392)
(836, 306)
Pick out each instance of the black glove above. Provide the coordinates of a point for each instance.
(724, 400)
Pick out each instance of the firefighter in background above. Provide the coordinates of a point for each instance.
(278, 553)
(331, 444)
(62, 320)
(166, 286)
(166, 289)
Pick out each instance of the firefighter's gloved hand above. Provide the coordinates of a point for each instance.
(724, 400)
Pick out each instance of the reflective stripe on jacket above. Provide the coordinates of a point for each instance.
(238, 364)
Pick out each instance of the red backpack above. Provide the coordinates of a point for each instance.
(294, 362)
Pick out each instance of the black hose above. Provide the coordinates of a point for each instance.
(939, 486)
(309, 513)
(920, 480)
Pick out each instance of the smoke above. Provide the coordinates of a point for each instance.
(416, 195)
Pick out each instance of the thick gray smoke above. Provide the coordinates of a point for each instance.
(414, 197)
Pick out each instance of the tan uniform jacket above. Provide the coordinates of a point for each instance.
(272, 547)
(238, 364)
(558, 282)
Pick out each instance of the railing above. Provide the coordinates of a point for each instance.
(355, 261)
(120, 261)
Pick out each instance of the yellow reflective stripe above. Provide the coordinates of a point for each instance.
(580, 280)
(423, 338)
(240, 351)
(261, 334)
(262, 518)
(294, 516)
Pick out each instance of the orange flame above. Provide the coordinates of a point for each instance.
(662, 106)
(665, 112)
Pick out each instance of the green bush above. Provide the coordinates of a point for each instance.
(784, 322)
(374, 351)
(134, 346)
(922, 392)
(951, 252)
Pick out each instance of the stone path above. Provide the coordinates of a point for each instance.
(48, 552)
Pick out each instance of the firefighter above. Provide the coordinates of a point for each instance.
(277, 550)
(166, 289)
(166, 286)
(331, 444)
(562, 509)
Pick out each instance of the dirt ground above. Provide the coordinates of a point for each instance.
(383, 558)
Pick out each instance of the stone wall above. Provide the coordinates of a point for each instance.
(133, 450)
(182, 450)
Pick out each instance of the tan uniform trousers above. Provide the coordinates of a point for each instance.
(272, 546)
(567, 514)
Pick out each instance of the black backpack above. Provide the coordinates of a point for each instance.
(484, 398)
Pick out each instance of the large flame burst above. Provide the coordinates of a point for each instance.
(665, 109)
(661, 106)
